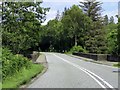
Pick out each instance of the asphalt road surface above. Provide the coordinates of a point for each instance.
(69, 72)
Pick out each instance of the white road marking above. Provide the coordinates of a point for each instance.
(89, 73)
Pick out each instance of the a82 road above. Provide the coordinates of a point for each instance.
(69, 72)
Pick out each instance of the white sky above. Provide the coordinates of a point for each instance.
(77, 0)
(110, 7)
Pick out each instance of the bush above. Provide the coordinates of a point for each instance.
(77, 49)
(13, 63)
(22, 77)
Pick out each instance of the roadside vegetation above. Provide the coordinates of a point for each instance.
(24, 76)
(76, 49)
(79, 28)
(17, 70)
(21, 23)
(82, 27)
(13, 63)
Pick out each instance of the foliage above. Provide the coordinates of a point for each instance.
(106, 20)
(52, 36)
(111, 20)
(77, 49)
(118, 36)
(61, 34)
(95, 41)
(76, 24)
(111, 38)
(21, 23)
(22, 77)
(76, 28)
(92, 8)
(12, 63)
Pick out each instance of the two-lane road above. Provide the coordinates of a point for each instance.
(69, 72)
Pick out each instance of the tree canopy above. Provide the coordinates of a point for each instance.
(92, 8)
(21, 23)
(81, 27)
(118, 36)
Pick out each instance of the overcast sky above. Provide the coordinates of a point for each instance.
(110, 7)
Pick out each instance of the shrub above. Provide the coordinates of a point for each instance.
(12, 63)
(77, 49)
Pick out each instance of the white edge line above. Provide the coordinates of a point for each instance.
(100, 79)
(84, 70)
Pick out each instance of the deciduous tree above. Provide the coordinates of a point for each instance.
(21, 23)
(76, 23)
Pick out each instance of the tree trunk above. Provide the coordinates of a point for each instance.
(75, 40)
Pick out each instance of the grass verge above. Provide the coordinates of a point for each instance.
(22, 77)
(117, 65)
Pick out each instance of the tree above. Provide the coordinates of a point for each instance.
(92, 8)
(95, 42)
(61, 35)
(111, 19)
(106, 21)
(118, 36)
(52, 36)
(65, 10)
(76, 24)
(21, 23)
(111, 38)
(57, 15)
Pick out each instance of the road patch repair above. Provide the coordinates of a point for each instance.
(95, 77)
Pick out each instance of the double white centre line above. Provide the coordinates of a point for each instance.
(91, 74)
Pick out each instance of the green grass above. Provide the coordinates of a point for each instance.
(0, 78)
(69, 52)
(0, 84)
(22, 77)
(117, 65)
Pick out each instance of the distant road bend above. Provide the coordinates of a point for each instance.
(69, 72)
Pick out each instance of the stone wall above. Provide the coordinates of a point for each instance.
(98, 57)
